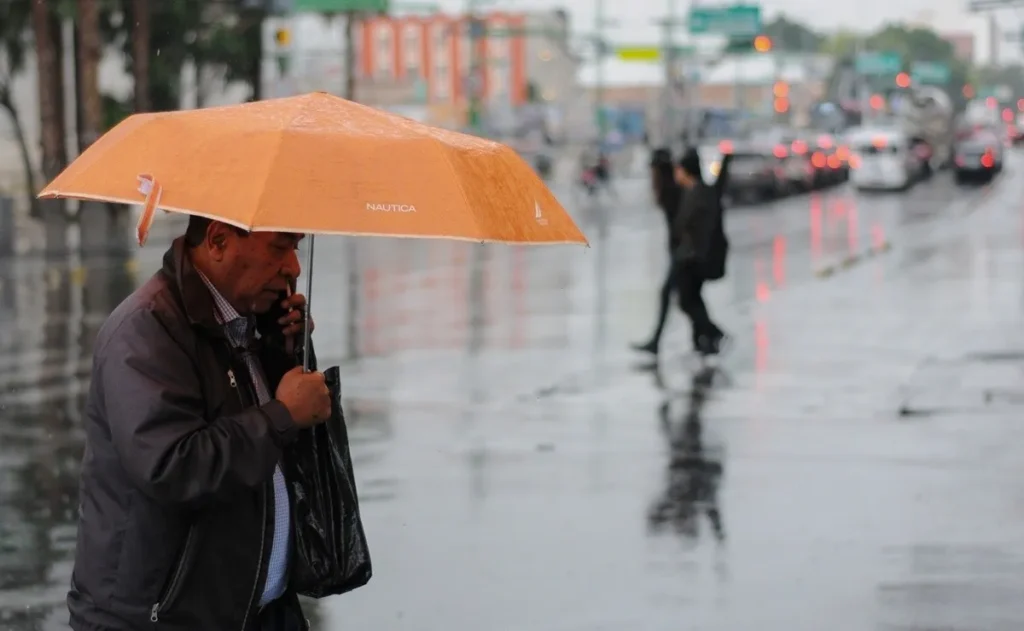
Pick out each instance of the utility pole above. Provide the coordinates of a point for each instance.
(599, 24)
(350, 55)
(477, 67)
(668, 114)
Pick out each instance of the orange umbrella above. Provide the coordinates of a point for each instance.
(318, 164)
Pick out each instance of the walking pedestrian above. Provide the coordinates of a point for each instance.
(184, 519)
(668, 194)
(702, 250)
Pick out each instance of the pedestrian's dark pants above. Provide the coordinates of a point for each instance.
(667, 287)
(690, 284)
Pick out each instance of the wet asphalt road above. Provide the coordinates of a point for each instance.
(852, 463)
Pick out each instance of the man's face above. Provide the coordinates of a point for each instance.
(253, 270)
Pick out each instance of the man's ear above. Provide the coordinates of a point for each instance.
(217, 239)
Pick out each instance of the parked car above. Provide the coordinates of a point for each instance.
(884, 158)
(978, 156)
(829, 158)
(754, 174)
(793, 158)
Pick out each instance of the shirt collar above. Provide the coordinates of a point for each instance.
(240, 329)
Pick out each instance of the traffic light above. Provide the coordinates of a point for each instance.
(780, 89)
(903, 80)
(781, 105)
(876, 102)
(762, 43)
(282, 37)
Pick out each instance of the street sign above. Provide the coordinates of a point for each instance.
(878, 64)
(651, 53)
(930, 72)
(738, 20)
(638, 53)
(999, 92)
(340, 6)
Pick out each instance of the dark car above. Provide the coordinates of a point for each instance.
(793, 159)
(754, 174)
(978, 156)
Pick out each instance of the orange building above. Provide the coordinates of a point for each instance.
(434, 52)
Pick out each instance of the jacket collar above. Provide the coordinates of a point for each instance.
(192, 291)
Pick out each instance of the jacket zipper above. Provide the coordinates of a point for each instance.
(175, 584)
(263, 520)
(259, 564)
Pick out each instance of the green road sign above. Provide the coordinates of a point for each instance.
(930, 72)
(878, 64)
(738, 20)
(999, 92)
(340, 6)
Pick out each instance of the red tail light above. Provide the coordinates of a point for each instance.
(780, 152)
(825, 142)
(818, 160)
(799, 147)
(987, 160)
(725, 146)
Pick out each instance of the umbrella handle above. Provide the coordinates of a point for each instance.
(309, 301)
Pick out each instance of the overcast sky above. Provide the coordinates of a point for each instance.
(636, 16)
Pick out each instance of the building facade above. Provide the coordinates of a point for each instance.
(436, 53)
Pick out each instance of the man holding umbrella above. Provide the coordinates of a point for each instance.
(184, 518)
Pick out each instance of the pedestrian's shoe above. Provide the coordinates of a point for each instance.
(707, 346)
(647, 347)
(721, 343)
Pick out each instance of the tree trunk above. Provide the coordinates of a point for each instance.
(51, 119)
(90, 49)
(100, 228)
(253, 34)
(140, 54)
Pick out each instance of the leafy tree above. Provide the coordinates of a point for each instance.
(791, 36)
(911, 44)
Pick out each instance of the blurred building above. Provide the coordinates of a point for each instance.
(963, 45)
(405, 61)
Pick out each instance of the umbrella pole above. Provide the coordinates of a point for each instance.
(306, 329)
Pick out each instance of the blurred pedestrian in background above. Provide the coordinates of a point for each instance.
(668, 195)
(703, 247)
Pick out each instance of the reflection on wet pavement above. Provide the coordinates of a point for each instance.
(518, 472)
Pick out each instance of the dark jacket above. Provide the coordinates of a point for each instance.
(699, 225)
(176, 489)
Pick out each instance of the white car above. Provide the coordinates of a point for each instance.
(883, 159)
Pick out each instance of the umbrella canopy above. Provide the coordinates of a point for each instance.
(318, 164)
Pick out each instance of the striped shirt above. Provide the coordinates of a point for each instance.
(240, 331)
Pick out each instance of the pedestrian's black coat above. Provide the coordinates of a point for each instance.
(175, 520)
(699, 225)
